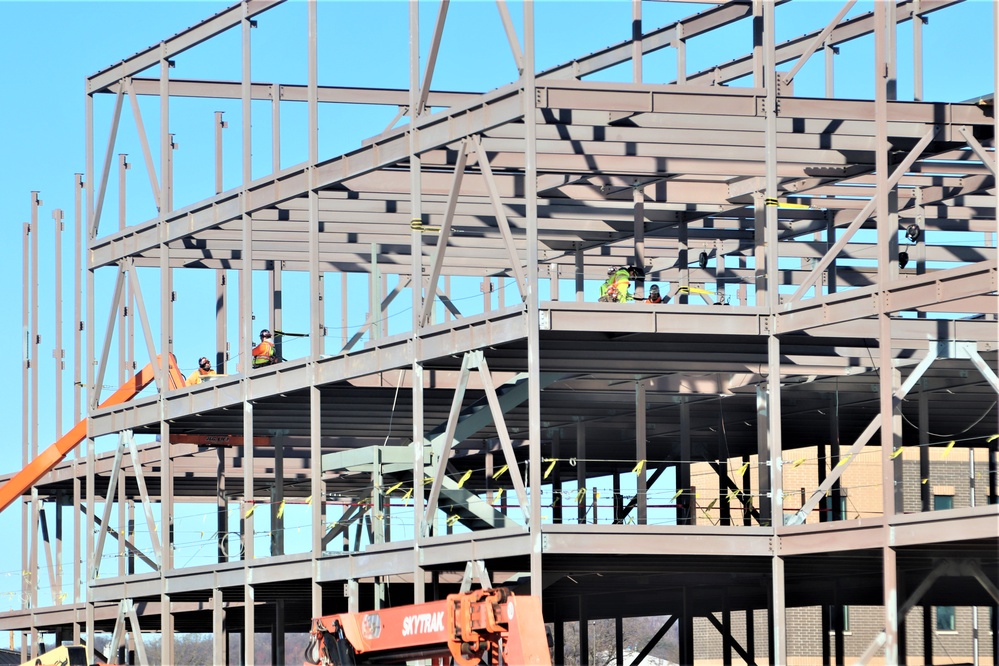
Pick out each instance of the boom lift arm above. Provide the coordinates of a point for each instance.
(483, 626)
(53, 455)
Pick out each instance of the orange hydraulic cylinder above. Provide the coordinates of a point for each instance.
(50, 457)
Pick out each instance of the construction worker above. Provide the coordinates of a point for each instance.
(622, 281)
(654, 296)
(610, 294)
(263, 354)
(606, 286)
(204, 370)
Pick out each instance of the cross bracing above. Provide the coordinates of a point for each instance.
(829, 272)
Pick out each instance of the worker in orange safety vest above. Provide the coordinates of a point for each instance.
(263, 354)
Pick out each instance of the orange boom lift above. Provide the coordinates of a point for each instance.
(483, 626)
(50, 457)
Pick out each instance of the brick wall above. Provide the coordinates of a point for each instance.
(861, 483)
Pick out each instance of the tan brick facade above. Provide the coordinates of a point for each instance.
(949, 477)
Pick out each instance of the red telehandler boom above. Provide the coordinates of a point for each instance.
(479, 627)
(50, 457)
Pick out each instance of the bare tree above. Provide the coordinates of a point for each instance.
(637, 632)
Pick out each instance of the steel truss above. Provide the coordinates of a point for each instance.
(786, 211)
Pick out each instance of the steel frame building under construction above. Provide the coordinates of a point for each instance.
(767, 439)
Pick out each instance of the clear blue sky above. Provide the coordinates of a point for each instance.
(48, 48)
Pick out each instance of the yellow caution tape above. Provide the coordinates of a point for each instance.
(896, 453)
(464, 478)
(844, 460)
(250, 511)
(784, 204)
(500, 472)
(947, 449)
(309, 501)
(797, 463)
(416, 224)
(551, 466)
(499, 493)
(638, 467)
(742, 470)
(280, 511)
(405, 498)
(732, 494)
(678, 493)
(580, 495)
(393, 488)
(925, 481)
(428, 480)
(711, 505)
(452, 519)
(686, 289)
(992, 438)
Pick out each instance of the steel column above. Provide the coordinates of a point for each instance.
(641, 440)
(416, 242)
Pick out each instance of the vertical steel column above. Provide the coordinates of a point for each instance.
(724, 504)
(277, 499)
(275, 127)
(726, 632)
(618, 639)
(533, 314)
(277, 633)
(220, 647)
(884, 45)
(374, 296)
(246, 343)
(580, 258)
(830, 53)
(557, 499)
(35, 363)
(778, 622)
(584, 633)
(416, 241)
(79, 239)
(166, 344)
(36, 337)
(318, 505)
(917, 50)
(685, 512)
(122, 518)
(221, 312)
(78, 387)
(88, 528)
(641, 441)
(581, 471)
(638, 197)
(824, 630)
(636, 55)
(222, 507)
(747, 492)
(26, 333)
(58, 352)
(559, 637)
(683, 260)
(686, 627)
(123, 166)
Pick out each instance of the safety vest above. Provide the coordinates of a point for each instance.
(622, 281)
(263, 354)
(196, 376)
